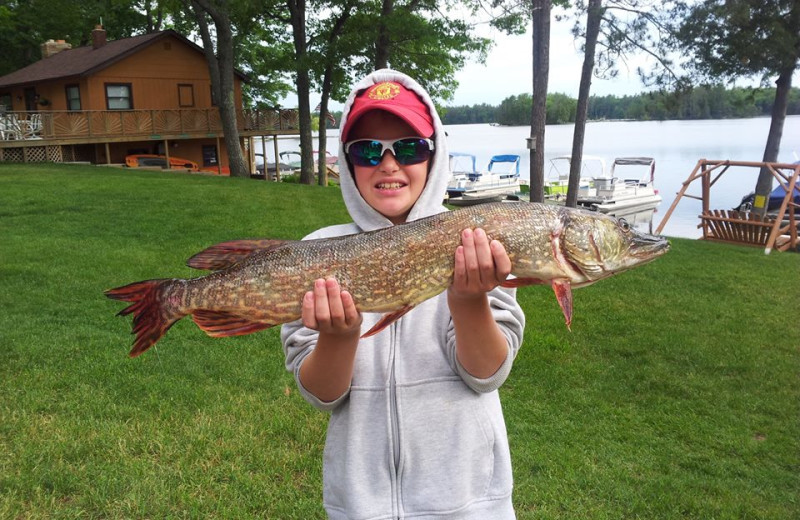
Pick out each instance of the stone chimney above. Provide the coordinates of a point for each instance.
(51, 47)
(98, 37)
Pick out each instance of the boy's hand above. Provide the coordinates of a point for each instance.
(330, 310)
(480, 265)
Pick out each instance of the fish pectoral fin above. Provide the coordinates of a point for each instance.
(220, 324)
(226, 254)
(386, 320)
(563, 291)
(513, 283)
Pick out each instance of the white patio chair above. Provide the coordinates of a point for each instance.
(10, 127)
(36, 124)
(31, 127)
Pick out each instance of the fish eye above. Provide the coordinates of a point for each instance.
(623, 224)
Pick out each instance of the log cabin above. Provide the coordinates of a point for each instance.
(103, 102)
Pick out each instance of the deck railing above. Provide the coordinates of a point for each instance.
(110, 124)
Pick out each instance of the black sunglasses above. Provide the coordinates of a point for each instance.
(407, 151)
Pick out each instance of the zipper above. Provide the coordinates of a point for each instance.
(393, 417)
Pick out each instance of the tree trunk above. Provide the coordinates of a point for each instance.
(541, 67)
(383, 42)
(227, 108)
(327, 85)
(594, 14)
(322, 164)
(765, 178)
(297, 13)
(222, 84)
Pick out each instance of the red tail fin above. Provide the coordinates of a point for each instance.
(151, 317)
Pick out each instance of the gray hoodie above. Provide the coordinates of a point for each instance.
(415, 436)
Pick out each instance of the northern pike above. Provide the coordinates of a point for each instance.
(260, 283)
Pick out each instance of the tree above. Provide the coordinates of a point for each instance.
(560, 109)
(297, 19)
(221, 66)
(417, 37)
(619, 28)
(593, 18)
(725, 40)
(513, 13)
(25, 25)
(540, 14)
(424, 38)
(331, 63)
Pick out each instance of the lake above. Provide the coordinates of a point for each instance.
(675, 145)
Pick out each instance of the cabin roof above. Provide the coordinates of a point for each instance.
(86, 60)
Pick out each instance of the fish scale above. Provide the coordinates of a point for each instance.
(261, 283)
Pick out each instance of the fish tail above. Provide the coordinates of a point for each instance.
(152, 314)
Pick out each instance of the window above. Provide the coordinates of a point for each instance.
(5, 102)
(209, 155)
(118, 96)
(185, 95)
(73, 97)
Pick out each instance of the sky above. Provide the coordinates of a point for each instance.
(507, 71)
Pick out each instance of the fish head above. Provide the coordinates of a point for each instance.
(599, 245)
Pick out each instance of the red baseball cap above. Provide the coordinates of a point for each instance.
(395, 99)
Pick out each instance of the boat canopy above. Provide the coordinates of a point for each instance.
(778, 194)
(636, 161)
(631, 161)
(505, 159)
(454, 155)
(591, 166)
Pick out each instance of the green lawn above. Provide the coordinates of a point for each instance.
(675, 395)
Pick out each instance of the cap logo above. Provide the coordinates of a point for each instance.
(385, 90)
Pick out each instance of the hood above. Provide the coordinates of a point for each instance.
(430, 201)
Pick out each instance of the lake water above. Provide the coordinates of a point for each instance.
(675, 145)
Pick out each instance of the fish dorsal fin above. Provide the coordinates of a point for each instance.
(220, 324)
(226, 254)
(386, 320)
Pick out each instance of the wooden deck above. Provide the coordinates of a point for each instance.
(22, 129)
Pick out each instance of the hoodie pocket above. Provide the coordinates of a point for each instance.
(447, 447)
(356, 475)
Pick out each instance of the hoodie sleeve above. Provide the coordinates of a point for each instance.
(509, 317)
(299, 341)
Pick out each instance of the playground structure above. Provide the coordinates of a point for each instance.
(778, 231)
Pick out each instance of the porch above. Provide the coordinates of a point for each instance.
(67, 136)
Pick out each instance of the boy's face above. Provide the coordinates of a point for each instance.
(390, 188)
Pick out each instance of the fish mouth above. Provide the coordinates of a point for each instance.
(645, 246)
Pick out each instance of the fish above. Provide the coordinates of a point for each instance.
(256, 284)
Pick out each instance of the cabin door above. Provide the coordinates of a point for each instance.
(30, 99)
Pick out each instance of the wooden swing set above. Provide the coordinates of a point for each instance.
(744, 227)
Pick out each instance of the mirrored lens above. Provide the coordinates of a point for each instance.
(366, 153)
(411, 151)
(406, 151)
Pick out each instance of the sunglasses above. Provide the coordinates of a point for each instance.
(407, 151)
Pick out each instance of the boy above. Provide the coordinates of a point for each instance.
(416, 428)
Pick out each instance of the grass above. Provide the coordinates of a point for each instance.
(675, 395)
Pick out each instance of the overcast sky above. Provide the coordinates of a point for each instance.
(507, 71)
